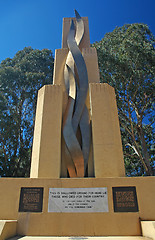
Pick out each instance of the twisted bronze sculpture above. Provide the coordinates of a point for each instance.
(76, 117)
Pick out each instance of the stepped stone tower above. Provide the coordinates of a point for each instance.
(94, 150)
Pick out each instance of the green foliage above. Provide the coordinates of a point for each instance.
(20, 79)
(127, 62)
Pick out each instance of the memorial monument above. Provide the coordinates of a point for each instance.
(77, 184)
(84, 109)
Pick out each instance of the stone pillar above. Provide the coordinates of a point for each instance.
(46, 152)
(106, 137)
(85, 43)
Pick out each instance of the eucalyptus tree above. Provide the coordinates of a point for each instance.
(127, 62)
(20, 79)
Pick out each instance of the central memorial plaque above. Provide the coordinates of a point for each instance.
(78, 200)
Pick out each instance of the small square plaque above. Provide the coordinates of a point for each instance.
(31, 199)
(125, 199)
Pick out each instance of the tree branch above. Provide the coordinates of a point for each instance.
(3, 145)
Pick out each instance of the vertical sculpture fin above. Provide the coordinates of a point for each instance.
(76, 114)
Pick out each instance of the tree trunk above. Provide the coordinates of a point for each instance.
(144, 151)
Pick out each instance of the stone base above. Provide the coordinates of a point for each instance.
(79, 238)
(78, 224)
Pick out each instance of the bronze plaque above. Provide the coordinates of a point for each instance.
(125, 199)
(31, 199)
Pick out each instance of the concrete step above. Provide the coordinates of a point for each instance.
(79, 238)
(7, 228)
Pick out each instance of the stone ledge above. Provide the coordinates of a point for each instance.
(7, 228)
(148, 229)
(80, 238)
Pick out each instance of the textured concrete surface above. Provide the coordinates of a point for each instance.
(106, 137)
(46, 152)
(65, 224)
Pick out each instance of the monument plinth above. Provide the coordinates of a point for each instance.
(77, 184)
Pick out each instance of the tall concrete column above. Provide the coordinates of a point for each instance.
(106, 137)
(46, 153)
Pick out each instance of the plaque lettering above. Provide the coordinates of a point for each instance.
(31, 199)
(125, 199)
(78, 200)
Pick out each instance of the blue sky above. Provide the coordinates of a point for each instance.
(38, 23)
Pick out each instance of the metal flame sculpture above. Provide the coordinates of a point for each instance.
(76, 117)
